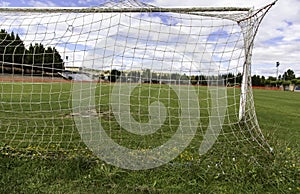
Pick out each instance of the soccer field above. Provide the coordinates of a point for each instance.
(42, 151)
(278, 114)
(41, 115)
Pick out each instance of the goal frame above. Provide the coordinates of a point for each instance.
(184, 10)
(220, 47)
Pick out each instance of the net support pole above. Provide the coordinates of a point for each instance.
(246, 79)
(249, 32)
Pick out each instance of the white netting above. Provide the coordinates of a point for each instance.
(142, 84)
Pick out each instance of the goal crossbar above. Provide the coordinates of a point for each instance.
(124, 10)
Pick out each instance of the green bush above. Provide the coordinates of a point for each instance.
(296, 81)
(286, 83)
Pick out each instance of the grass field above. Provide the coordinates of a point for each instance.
(46, 154)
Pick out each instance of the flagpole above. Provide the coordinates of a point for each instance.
(277, 65)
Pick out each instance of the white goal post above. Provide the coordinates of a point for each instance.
(75, 77)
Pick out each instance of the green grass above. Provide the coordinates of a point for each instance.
(42, 152)
(278, 114)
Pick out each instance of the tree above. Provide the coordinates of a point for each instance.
(289, 75)
(194, 79)
(15, 56)
(256, 80)
(114, 75)
(54, 59)
(228, 79)
(263, 81)
(11, 47)
(202, 80)
(271, 78)
(48, 59)
(239, 78)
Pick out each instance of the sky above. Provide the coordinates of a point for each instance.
(277, 40)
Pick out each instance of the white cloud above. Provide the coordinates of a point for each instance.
(46, 3)
(84, 1)
(4, 4)
(277, 38)
(281, 20)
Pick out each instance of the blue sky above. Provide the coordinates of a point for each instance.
(278, 38)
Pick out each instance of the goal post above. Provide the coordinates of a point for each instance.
(250, 26)
(114, 78)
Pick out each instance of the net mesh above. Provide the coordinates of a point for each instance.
(148, 84)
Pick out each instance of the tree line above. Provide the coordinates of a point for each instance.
(229, 79)
(16, 58)
(285, 79)
(145, 76)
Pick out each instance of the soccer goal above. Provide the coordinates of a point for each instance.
(133, 83)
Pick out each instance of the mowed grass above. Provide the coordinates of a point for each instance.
(278, 113)
(42, 152)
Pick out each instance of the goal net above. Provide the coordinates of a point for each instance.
(136, 85)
